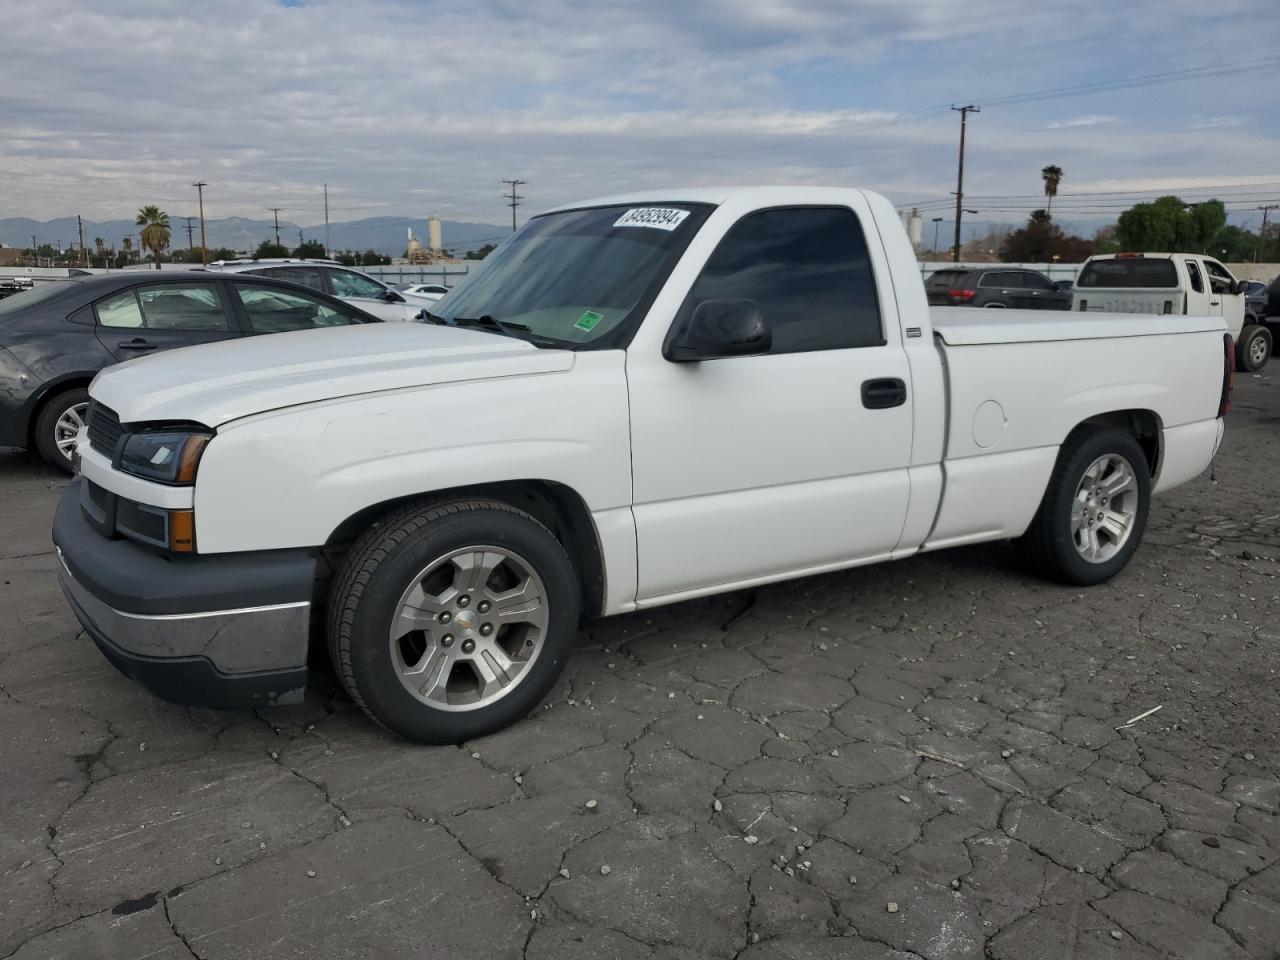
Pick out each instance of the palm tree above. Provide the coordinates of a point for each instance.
(1052, 175)
(1040, 216)
(155, 230)
(127, 246)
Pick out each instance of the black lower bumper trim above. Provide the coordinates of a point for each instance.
(196, 682)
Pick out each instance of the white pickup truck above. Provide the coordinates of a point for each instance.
(1173, 283)
(635, 401)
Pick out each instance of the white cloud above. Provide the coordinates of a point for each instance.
(1216, 123)
(407, 107)
(1089, 120)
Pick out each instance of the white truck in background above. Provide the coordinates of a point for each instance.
(1173, 283)
(634, 401)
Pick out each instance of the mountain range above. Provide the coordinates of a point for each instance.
(386, 235)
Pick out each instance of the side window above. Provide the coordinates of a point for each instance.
(809, 270)
(307, 276)
(994, 278)
(1033, 281)
(348, 284)
(276, 310)
(122, 310)
(169, 306)
(1219, 280)
(1193, 271)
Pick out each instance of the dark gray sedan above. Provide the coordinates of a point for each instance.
(57, 336)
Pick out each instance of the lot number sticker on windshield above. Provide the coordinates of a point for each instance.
(588, 320)
(660, 218)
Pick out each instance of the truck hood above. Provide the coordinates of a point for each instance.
(219, 382)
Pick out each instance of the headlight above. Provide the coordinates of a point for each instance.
(168, 456)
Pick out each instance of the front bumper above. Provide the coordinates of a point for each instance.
(228, 630)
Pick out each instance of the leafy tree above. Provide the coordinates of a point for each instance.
(1167, 224)
(155, 230)
(1042, 241)
(481, 253)
(1052, 176)
(372, 258)
(268, 250)
(313, 249)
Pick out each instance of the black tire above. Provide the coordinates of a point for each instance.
(1253, 349)
(375, 574)
(46, 440)
(1048, 547)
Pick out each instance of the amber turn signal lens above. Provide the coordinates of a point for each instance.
(191, 451)
(182, 531)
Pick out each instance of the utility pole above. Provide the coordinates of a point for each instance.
(964, 116)
(275, 211)
(513, 201)
(204, 251)
(326, 220)
(191, 245)
(35, 255)
(1262, 234)
(84, 256)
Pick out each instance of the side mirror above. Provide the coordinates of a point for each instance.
(719, 328)
(392, 297)
(1240, 286)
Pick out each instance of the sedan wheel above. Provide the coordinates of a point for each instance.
(67, 428)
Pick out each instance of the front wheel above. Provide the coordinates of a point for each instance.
(1254, 348)
(58, 425)
(453, 619)
(1094, 510)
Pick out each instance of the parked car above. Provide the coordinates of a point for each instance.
(1173, 283)
(55, 338)
(1256, 305)
(11, 285)
(328, 276)
(995, 287)
(428, 291)
(716, 389)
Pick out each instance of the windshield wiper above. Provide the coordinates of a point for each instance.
(491, 323)
(508, 328)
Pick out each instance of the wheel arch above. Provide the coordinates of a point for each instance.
(47, 391)
(558, 507)
(1145, 426)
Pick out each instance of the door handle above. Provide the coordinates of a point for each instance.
(1215, 303)
(883, 393)
(136, 344)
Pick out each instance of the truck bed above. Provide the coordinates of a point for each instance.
(966, 326)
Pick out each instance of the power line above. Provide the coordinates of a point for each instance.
(514, 201)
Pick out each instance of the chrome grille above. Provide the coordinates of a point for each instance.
(104, 429)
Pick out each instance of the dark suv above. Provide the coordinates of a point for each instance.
(996, 287)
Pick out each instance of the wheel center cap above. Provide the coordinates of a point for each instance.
(466, 621)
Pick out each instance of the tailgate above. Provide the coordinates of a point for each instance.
(1129, 301)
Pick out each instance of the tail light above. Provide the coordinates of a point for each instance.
(1228, 374)
(1168, 306)
(964, 295)
(1084, 305)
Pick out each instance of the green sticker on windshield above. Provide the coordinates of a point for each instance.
(588, 320)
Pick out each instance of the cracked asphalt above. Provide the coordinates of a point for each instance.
(913, 760)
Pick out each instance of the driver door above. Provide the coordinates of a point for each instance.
(750, 468)
(1222, 301)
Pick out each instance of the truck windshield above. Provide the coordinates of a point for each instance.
(580, 279)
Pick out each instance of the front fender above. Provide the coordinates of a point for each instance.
(288, 478)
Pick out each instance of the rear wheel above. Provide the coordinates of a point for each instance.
(1254, 348)
(452, 620)
(58, 425)
(1094, 510)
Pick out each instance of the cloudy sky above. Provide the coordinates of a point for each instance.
(406, 107)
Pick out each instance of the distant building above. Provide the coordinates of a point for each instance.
(11, 256)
